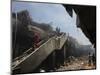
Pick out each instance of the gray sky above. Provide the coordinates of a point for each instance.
(54, 14)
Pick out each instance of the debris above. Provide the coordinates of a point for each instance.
(78, 63)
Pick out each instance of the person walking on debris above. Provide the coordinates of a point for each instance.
(58, 31)
(90, 59)
(36, 39)
(93, 59)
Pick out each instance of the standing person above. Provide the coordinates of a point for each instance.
(36, 40)
(58, 31)
(93, 59)
(90, 59)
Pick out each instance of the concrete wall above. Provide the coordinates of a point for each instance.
(33, 60)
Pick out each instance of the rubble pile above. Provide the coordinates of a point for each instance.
(79, 63)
